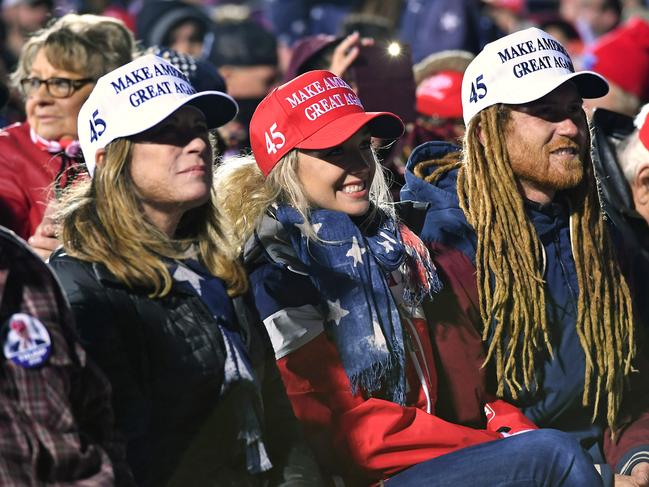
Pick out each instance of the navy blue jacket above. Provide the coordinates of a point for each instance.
(557, 404)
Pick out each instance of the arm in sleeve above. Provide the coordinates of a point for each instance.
(100, 327)
(630, 445)
(14, 205)
(454, 319)
(293, 462)
(372, 436)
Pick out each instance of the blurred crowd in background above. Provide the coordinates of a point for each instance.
(256, 45)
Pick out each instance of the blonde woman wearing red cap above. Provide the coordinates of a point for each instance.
(340, 285)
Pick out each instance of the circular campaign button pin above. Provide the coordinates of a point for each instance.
(27, 343)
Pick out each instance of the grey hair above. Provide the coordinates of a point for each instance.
(90, 45)
(631, 155)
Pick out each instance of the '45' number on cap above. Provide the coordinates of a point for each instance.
(478, 90)
(275, 140)
(97, 126)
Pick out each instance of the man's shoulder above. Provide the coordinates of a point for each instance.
(443, 227)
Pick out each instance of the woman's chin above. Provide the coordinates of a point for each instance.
(358, 208)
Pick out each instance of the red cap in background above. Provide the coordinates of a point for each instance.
(440, 95)
(622, 56)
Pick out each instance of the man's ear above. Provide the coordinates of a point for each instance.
(478, 130)
(640, 191)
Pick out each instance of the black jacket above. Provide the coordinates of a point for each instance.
(630, 228)
(164, 358)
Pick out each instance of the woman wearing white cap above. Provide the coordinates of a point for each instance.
(159, 304)
(340, 285)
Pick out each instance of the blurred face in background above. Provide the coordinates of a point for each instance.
(248, 85)
(31, 16)
(54, 118)
(187, 38)
(598, 15)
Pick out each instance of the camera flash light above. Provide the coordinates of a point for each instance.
(394, 49)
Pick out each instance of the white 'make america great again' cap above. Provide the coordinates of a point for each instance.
(520, 68)
(138, 95)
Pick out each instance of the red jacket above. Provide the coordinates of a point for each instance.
(360, 437)
(26, 175)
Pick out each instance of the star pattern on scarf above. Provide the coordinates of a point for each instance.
(355, 252)
(387, 246)
(336, 311)
(379, 337)
(387, 243)
(387, 237)
(184, 274)
(303, 227)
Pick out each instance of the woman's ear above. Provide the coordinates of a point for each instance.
(99, 156)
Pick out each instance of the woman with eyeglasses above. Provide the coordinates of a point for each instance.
(56, 72)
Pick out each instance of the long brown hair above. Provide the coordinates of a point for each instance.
(102, 221)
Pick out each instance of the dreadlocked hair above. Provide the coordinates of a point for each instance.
(443, 165)
(509, 259)
(102, 221)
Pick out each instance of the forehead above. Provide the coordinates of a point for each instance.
(587, 4)
(564, 94)
(187, 112)
(186, 116)
(42, 64)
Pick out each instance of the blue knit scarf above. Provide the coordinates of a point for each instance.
(238, 374)
(349, 268)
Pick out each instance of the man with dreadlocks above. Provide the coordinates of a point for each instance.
(514, 225)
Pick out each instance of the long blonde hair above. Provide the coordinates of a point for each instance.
(513, 308)
(102, 221)
(244, 194)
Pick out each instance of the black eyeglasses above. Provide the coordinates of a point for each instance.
(56, 87)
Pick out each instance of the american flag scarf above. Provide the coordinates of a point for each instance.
(349, 267)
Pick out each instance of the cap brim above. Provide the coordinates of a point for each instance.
(384, 125)
(589, 85)
(219, 108)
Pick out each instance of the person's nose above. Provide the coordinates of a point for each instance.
(40, 94)
(359, 165)
(196, 143)
(568, 127)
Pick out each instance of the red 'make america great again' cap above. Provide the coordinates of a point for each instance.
(316, 110)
